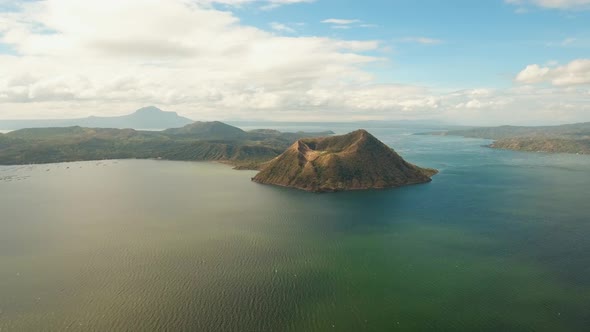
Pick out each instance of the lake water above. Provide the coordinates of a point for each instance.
(499, 241)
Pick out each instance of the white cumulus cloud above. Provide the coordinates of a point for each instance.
(80, 57)
(340, 21)
(576, 72)
(554, 4)
(280, 27)
(422, 40)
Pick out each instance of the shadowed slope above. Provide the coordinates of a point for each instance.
(214, 130)
(353, 161)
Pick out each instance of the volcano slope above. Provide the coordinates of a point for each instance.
(354, 161)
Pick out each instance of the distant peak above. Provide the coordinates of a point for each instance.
(149, 109)
(209, 124)
(360, 133)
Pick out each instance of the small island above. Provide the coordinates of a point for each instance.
(354, 161)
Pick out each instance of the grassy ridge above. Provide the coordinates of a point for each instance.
(551, 145)
(570, 138)
(569, 131)
(199, 141)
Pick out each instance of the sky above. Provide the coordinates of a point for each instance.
(485, 62)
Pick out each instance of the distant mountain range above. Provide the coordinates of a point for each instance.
(198, 141)
(567, 131)
(153, 118)
(419, 124)
(144, 118)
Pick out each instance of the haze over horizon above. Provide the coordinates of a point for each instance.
(523, 62)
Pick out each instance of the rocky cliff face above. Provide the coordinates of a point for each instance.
(353, 161)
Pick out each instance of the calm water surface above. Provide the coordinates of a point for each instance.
(497, 242)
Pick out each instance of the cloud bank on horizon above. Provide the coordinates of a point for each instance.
(281, 60)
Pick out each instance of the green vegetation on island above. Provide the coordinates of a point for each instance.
(551, 145)
(199, 141)
(570, 138)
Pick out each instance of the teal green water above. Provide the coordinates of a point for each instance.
(499, 241)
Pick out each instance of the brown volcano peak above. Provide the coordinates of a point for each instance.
(353, 161)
